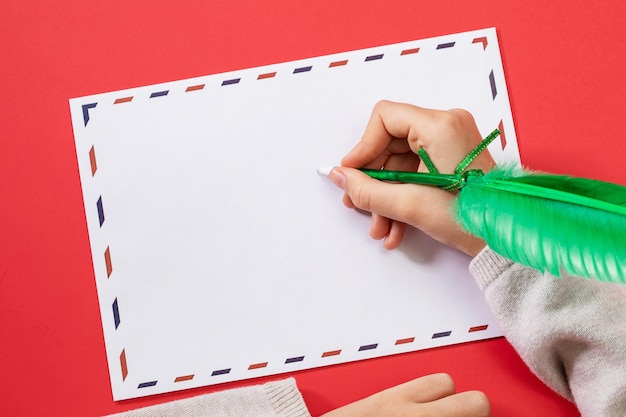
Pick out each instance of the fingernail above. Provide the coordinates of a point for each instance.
(324, 170)
(337, 177)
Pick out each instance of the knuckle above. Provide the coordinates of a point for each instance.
(381, 103)
(451, 119)
(461, 114)
(455, 120)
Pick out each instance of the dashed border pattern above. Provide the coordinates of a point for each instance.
(115, 306)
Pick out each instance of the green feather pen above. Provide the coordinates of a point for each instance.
(552, 223)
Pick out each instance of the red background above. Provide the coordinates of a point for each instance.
(564, 66)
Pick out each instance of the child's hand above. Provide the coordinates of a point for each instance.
(391, 140)
(432, 395)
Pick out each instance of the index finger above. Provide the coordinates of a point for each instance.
(389, 122)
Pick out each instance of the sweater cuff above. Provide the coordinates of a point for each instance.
(286, 399)
(272, 399)
(487, 266)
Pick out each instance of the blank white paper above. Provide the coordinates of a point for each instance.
(220, 254)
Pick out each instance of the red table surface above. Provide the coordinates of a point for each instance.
(563, 62)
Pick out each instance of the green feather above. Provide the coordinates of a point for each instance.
(549, 222)
(552, 223)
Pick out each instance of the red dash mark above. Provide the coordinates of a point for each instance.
(194, 88)
(410, 51)
(502, 137)
(107, 261)
(123, 365)
(338, 63)
(478, 328)
(92, 160)
(404, 341)
(331, 353)
(123, 100)
(257, 366)
(264, 76)
(184, 378)
(482, 40)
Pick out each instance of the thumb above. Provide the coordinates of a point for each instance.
(424, 207)
(363, 192)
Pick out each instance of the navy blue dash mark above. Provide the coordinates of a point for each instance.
(374, 57)
(100, 211)
(492, 81)
(230, 82)
(442, 334)
(159, 93)
(303, 69)
(368, 347)
(147, 384)
(446, 45)
(116, 314)
(86, 108)
(221, 372)
(294, 359)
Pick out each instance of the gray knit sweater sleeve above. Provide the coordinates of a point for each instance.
(272, 399)
(570, 331)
